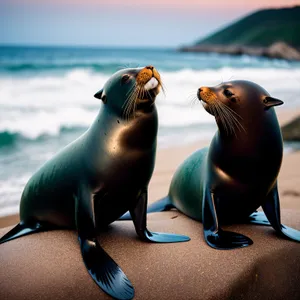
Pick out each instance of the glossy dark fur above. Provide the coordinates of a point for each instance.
(98, 177)
(237, 174)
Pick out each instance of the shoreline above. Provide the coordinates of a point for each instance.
(278, 50)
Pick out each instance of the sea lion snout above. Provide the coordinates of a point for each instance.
(148, 79)
(145, 75)
(205, 94)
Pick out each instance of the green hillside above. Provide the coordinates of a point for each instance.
(261, 28)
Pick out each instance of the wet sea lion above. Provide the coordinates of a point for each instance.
(100, 176)
(228, 181)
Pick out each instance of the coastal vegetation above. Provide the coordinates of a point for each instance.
(269, 32)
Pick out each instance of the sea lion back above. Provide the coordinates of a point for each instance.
(186, 178)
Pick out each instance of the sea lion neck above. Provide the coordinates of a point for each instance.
(137, 133)
(258, 151)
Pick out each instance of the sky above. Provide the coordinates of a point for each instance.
(126, 23)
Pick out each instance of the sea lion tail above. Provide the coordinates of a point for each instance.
(22, 229)
(163, 204)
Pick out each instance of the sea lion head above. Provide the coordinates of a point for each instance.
(131, 90)
(235, 104)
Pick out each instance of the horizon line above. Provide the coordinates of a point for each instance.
(36, 45)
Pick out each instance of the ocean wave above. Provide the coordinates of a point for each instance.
(44, 105)
(8, 139)
(51, 122)
(14, 67)
(77, 86)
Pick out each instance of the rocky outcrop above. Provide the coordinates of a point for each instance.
(291, 131)
(282, 50)
(279, 50)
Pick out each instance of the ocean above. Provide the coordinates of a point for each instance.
(46, 99)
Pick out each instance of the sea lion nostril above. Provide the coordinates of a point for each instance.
(198, 93)
(150, 67)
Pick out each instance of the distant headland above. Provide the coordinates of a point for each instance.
(272, 33)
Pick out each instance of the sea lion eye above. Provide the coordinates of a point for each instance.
(125, 78)
(227, 93)
(104, 99)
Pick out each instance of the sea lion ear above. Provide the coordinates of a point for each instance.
(270, 101)
(98, 95)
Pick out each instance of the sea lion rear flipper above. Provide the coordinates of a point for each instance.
(272, 210)
(102, 268)
(214, 235)
(139, 216)
(23, 229)
(258, 218)
(163, 204)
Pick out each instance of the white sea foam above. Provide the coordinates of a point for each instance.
(34, 124)
(43, 105)
(11, 190)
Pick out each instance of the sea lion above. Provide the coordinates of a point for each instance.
(100, 176)
(228, 181)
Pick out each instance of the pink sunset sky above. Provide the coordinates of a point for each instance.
(120, 23)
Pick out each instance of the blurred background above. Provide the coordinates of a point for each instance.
(55, 54)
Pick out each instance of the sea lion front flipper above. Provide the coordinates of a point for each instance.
(23, 229)
(214, 235)
(103, 269)
(272, 210)
(139, 217)
(258, 218)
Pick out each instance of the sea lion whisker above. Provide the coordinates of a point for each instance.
(132, 95)
(127, 107)
(132, 98)
(235, 123)
(163, 88)
(228, 117)
(139, 94)
(194, 101)
(192, 98)
(121, 67)
(150, 96)
(129, 93)
(231, 110)
(130, 107)
(216, 113)
(220, 113)
(234, 117)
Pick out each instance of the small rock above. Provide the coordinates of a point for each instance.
(291, 131)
